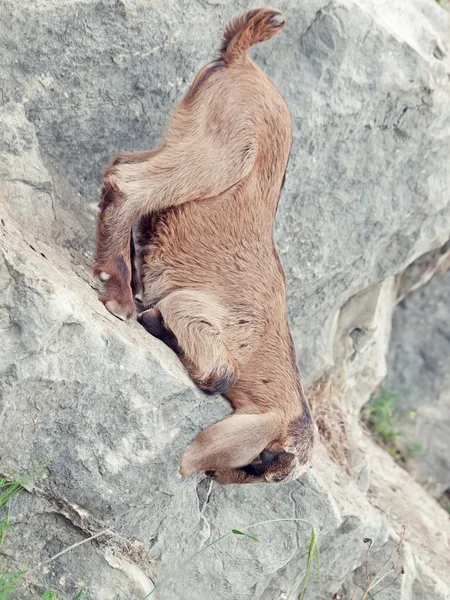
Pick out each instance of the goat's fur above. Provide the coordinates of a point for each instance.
(211, 278)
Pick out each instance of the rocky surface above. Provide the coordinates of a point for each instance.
(108, 408)
(419, 373)
(367, 83)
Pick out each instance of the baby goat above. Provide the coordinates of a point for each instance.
(211, 278)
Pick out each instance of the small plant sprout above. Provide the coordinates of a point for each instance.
(49, 595)
(8, 490)
(390, 568)
(313, 547)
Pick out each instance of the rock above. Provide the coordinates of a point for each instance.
(44, 531)
(366, 187)
(404, 502)
(361, 341)
(419, 372)
(108, 409)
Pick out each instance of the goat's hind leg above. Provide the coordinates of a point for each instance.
(190, 325)
(192, 165)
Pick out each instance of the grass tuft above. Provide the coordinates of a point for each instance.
(8, 490)
(378, 416)
(9, 582)
(49, 595)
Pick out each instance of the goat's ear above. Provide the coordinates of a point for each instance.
(233, 442)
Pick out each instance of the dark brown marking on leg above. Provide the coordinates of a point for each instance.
(217, 384)
(112, 260)
(153, 321)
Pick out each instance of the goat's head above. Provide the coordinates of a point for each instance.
(253, 448)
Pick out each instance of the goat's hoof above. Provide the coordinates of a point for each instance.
(115, 309)
(117, 296)
(277, 19)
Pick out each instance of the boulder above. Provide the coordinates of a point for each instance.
(104, 409)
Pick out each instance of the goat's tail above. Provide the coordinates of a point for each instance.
(252, 27)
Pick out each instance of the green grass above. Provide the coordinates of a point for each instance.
(8, 490)
(5, 525)
(49, 595)
(313, 548)
(9, 582)
(378, 415)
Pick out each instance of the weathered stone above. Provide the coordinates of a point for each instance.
(367, 83)
(361, 342)
(419, 372)
(109, 408)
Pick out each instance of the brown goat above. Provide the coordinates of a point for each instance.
(210, 274)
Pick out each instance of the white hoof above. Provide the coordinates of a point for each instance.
(116, 310)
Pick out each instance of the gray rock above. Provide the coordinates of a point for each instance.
(419, 371)
(361, 342)
(367, 83)
(108, 408)
(109, 411)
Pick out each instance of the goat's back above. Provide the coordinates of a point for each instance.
(226, 243)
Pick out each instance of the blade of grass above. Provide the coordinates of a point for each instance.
(237, 532)
(213, 543)
(49, 595)
(309, 561)
(10, 489)
(5, 525)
